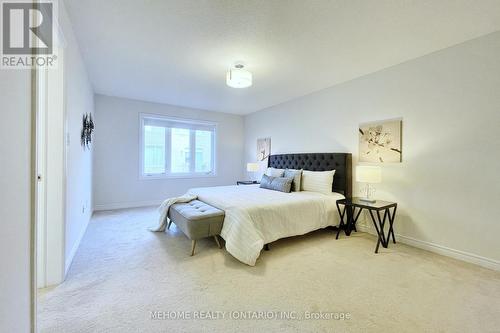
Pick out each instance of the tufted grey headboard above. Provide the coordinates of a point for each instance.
(340, 162)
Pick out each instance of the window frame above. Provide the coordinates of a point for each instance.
(168, 174)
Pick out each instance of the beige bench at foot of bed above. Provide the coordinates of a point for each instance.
(197, 220)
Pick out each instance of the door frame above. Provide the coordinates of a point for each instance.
(50, 166)
(40, 99)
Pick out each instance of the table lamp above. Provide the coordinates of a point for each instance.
(253, 167)
(369, 175)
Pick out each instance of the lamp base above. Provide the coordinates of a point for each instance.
(368, 200)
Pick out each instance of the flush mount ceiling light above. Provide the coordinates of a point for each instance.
(238, 77)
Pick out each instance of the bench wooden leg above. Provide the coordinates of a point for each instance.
(193, 245)
(217, 241)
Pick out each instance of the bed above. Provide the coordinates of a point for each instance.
(255, 216)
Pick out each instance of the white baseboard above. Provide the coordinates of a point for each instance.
(69, 259)
(121, 205)
(439, 249)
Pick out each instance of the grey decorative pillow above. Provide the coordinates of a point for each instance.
(296, 175)
(281, 184)
(273, 172)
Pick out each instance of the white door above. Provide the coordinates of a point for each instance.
(51, 171)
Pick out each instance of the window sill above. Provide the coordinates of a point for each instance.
(178, 176)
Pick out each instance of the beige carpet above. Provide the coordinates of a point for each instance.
(122, 273)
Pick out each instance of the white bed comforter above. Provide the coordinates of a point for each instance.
(256, 216)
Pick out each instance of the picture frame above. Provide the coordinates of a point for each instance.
(263, 148)
(381, 141)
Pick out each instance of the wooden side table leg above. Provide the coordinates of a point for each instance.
(350, 218)
(341, 224)
(338, 230)
(391, 224)
(353, 226)
(381, 226)
(378, 244)
(379, 239)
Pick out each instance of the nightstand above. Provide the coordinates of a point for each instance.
(375, 208)
(247, 182)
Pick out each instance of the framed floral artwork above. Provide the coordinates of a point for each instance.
(381, 141)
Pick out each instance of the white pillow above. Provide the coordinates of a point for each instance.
(273, 172)
(318, 181)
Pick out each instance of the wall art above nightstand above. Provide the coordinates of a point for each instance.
(381, 141)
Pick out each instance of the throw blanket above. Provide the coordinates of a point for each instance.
(165, 206)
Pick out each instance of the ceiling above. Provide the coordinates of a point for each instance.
(178, 52)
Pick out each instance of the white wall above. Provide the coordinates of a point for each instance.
(15, 181)
(79, 97)
(15, 200)
(116, 156)
(447, 188)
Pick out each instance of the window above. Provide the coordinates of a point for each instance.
(172, 147)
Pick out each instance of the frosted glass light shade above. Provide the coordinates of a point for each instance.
(368, 174)
(238, 78)
(252, 167)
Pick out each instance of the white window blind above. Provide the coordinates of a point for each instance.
(173, 147)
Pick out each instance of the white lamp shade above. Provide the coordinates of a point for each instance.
(368, 174)
(252, 167)
(238, 78)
